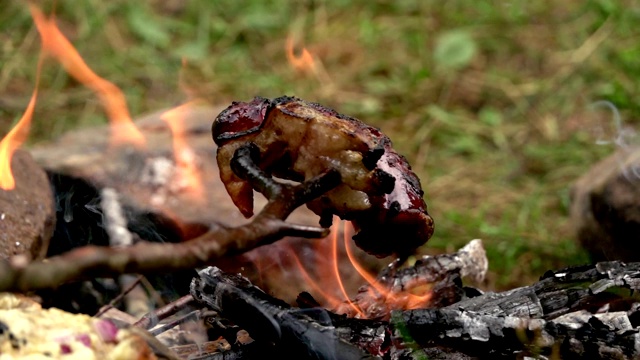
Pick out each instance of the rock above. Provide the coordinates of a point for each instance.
(605, 207)
(27, 213)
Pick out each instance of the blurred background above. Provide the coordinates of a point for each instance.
(498, 106)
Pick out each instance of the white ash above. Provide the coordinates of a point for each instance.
(157, 171)
(114, 220)
(474, 260)
(168, 177)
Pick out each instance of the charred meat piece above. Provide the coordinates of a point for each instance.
(298, 140)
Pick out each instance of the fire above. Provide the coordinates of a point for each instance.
(186, 161)
(334, 242)
(16, 137)
(328, 276)
(415, 294)
(304, 62)
(112, 98)
(307, 63)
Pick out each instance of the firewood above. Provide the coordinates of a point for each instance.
(296, 334)
(565, 313)
(144, 257)
(433, 281)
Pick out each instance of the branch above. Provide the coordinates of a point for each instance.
(145, 257)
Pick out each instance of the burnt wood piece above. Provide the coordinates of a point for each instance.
(588, 311)
(433, 281)
(580, 312)
(297, 334)
(27, 212)
(588, 287)
(581, 335)
(153, 318)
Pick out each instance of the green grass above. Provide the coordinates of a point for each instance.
(490, 103)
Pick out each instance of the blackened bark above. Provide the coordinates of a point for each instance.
(584, 311)
(297, 334)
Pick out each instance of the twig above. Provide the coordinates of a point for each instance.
(151, 319)
(119, 298)
(192, 316)
(145, 257)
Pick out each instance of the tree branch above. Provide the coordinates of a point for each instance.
(145, 257)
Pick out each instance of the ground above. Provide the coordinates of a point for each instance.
(498, 107)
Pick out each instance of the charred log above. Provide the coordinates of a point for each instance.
(583, 311)
(433, 281)
(489, 336)
(296, 334)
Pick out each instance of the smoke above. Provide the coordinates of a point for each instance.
(623, 137)
(612, 131)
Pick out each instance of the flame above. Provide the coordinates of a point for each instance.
(328, 283)
(186, 159)
(17, 136)
(334, 241)
(308, 64)
(304, 62)
(325, 279)
(112, 98)
(414, 295)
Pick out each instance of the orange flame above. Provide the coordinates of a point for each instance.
(334, 241)
(308, 64)
(187, 169)
(112, 98)
(304, 62)
(415, 294)
(17, 136)
(328, 284)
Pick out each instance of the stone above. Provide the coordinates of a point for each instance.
(27, 212)
(605, 207)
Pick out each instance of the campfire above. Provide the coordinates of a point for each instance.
(292, 233)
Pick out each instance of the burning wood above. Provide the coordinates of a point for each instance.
(588, 311)
(581, 311)
(297, 334)
(144, 257)
(434, 281)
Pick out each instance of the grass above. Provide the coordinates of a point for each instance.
(490, 103)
